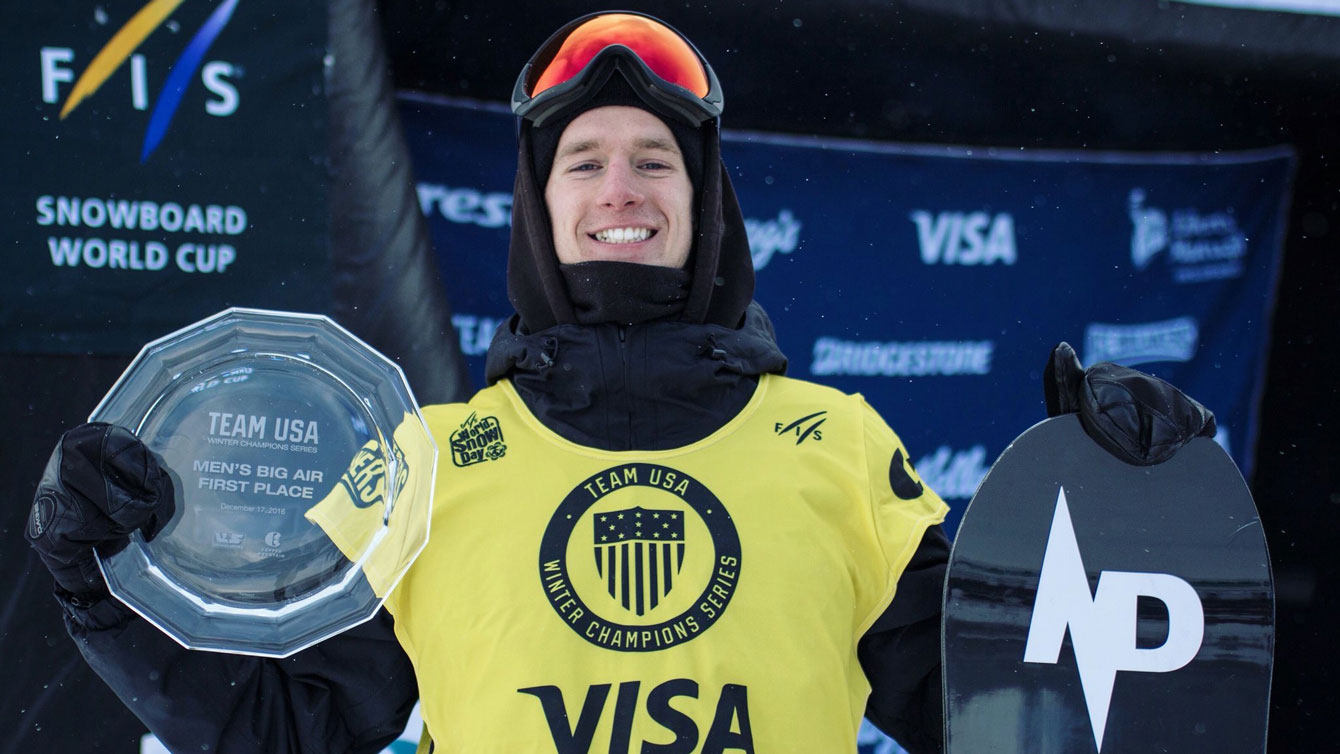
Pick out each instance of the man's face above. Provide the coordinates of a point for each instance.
(618, 191)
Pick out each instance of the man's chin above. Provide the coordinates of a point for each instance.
(635, 253)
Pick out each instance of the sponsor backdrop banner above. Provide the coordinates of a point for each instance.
(140, 196)
(936, 280)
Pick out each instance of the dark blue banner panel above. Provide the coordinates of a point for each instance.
(167, 160)
(936, 280)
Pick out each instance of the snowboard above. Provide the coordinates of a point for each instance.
(1093, 606)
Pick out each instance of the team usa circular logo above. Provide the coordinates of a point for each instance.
(640, 557)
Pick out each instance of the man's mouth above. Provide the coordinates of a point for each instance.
(623, 235)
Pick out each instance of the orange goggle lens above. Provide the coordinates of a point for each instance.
(664, 52)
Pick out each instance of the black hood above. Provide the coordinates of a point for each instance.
(652, 386)
(721, 271)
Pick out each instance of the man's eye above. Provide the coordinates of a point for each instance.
(654, 165)
(584, 167)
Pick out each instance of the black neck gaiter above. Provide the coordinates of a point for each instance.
(625, 293)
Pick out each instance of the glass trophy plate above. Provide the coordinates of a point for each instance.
(303, 474)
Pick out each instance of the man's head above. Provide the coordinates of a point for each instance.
(618, 190)
(622, 209)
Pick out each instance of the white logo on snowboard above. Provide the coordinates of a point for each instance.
(1103, 624)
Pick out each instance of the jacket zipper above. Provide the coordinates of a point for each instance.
(627, 376)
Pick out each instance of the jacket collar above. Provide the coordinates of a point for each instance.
(651, 386)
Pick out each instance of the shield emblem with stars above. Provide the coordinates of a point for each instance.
(639, 552)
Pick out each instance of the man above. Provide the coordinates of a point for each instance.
(639, 566)
(637, 387)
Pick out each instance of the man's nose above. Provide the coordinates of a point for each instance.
(620, 188)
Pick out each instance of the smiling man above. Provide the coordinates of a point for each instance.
(664, 545)
(705, 552)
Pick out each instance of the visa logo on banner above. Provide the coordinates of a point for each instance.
(121, 47)
(967, 238)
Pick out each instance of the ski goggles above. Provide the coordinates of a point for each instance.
(664, 67)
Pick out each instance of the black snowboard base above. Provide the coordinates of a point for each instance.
(1094, 606)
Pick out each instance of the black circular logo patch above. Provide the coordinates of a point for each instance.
(39, 518)
(640, 557)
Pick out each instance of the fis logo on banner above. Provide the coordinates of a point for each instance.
(1200, 246)
(773, 236)
(966, 238)
(1102, 624)
(1169, 340)
(215, 75)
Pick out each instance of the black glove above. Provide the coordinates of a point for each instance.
(100, 485)
(1136, 417)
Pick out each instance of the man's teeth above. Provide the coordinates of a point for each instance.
(623, 235)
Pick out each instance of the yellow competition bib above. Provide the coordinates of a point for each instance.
(698, 600)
